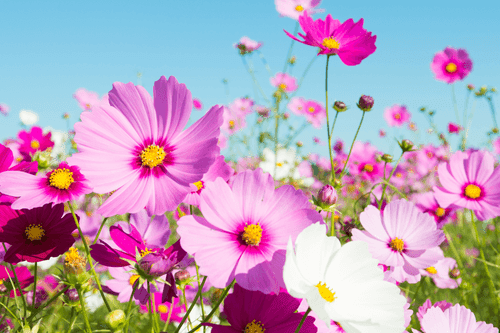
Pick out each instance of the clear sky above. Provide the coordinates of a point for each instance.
(50, 49)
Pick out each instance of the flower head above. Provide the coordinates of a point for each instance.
(349, 40)
(397, 115)
(247, 46)
(284, 82)
(197, 104)
(295, 8)
(33, 141)
(87, 100)
(454, 128)
(451, 65)
(427, 203)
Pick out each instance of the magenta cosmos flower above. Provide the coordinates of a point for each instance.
(248, 225)
(6, 160)
(136, 147)
(163, 308)
(62, 184)
(397, 115)
(284, 82)
(295, 8)
(470, 182)
(451, 65)
(36, 234)
(22, 273)
(400, 237)
(253, 311)
(197, 104)
(33, 141)
(363, 162)
(349, 40)
(454, 128)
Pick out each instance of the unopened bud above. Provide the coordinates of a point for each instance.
(115, 319)
(482, 91)
(422, 109)
(454, 273)
(495, 130)
(72, 295)
(65, 115)
(387, 158)
(471, 87)
(182, 275)
(286, 115)
(337, 183)
(340, 106)
(292, 60)
(493, 90)
(431, 113)
(406, 145)
(366, 103)
(327, 196)
(299, 144)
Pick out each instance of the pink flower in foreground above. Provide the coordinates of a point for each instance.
(470, 182)
(6, 164)
(422, 310)
(136, 147)
(197, 104)
(454, 128)
(284, 82)
(397, 115)
(456, 319)
(451, 65)
(163, 308)
(33, 141)
(246, 45)
(294, 8)
(64, 183)
(400, 237)
(349, 40)
(248, 225)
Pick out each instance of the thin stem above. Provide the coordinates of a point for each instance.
(169, 315)
(334, 121)
(469, 123)
(418, 288)
(198, 294)
(129, 307)
(388, 179)
(332, 230)
(186, 303)
(303, 76)
(492, 108)
(36, 311)
(328, 120)
(10, 312)
(252, 74)
(72, 320)
(17, 285)
(454, 249)
(100, 229)
(84, 311)
(291, 47)
(455, 102)
(34, 286)
(89, 258)
(201, 298)
(266, 65)
(352, 145)
(303, 320)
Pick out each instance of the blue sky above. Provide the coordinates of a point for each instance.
(50, 49)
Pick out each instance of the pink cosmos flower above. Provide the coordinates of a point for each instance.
(284, 82)
(470, 182)
(397, 115)
(89, 99)
(136, 147)
(349, 40)
(412, 126)
(242, 106)
(454, 128)
(163, 308)
(197, 104)
(315, 113)
(60, 185)
(451, 65)
(382, 133)
(456, 319)
(232, 121)
(400, 237)
(294, 8)
(422, 310)
(6, 164)
(247, 163)
(122, 283)
(363, 162)
(246, 45)
(4, 109)
(248, 225)
(440, 272)
(427, 203)
(296, 105)
(33, 141)
(22, 273)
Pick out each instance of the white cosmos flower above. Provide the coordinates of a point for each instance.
(342, 283)
(285, 163)
(28, 117)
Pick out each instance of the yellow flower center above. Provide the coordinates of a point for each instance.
(252, 234)
(338, 324)
(397, 116)
(282, 86)
(472, 191)
(430, 154)
(132, 279)
(35, 144)
(162, 308)
(34, 232)
(146, 251)
(73, 262)
(368, 168)
(399, 175)
(88, 213)
(299, 8)
(451, 68)
(61, 178)
(326, 293)
(330, 43)
(311, 109)
(279, 164)
(397, 244)
(199, 185)
(152, 156)
(88, 106)
(440, 212)
(431, 270)
(254, 327)
(231, 124)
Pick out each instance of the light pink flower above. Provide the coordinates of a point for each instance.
(427, 203)
(397, 115)
(315, 113)
(4, 109)
(422, 310)
(249, 226)
(296, 105)
(451, 65)
(233, 121)
(470, 182)
(136, 147)
(284, 82)
(440, 272)
(89, 99)
(294, 8)
(246, 45)
(496, 146)
(242, 106)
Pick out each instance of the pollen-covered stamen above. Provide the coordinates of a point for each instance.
(34, 232)
(325, 293)
(199, 185)
(431, 270)
(73, 262)
(152, 156)
(472, 191)
(299, 8)
(147, 251)
(88, 106)
(282, 86)
(397, 116)
(231, 124)
(252, 234)
(254, 327)
(399, 175)
(330, 43)
(162, 308)
(132, 279)
(35, 144)
(311, 109)
(61, 178)
(451, 67)
(279, 164)
(397, 244)
(439, 212)
(368, 168)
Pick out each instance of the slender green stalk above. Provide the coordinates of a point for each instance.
(198, 294)
(291, 47)
(455, 103)
(186, 303)
(352, 145)
(169, 315)
(34, 286)
(332, 230)
(100, 229)
(469, 123)
(10, 312)
(89, 258)
(201, 298)
(303, 320)
(454, 249)
(328, 120)
(129, 306)
(388, 180)
(303, 76)
(84, 310)
(334, 121)
(72, 320)
(37, 311)
(266, 65)
(492, 109)
(252, 74)
(17, 285)
(491, 284)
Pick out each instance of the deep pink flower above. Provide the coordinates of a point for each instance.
(4, 109)
(197, 104)
(246, 45)
(295, 8)
(470, 182)
(284, 82)
(400, 237)
(60, 185)
(349, 40)
(136, 147)
(363, 162)
(33, 141)
(454, 128)
(163, 308)
(248, 225)
(451, 65)
(397, 115)
(36, 234)
(427, 203)
(6, 164)
(22, 273)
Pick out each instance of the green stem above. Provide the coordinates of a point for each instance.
(100, 229)
(492, 108)
(72, 320)
(186, 303)
(169, 315)
(303, 76)
(10, 312)
(334, 121)
(455, 103)
(303, 320)
(252, 74)
(291, 47)
(352, 145)
(469, 123)
(89, 258)
(17, 285)
(201, 298)
(129, 306)
(388, 180)
(332, 230)
(328, 120)
(36, 311)
(84, 310)
(198, 294)
(454, 249)
(34, 286)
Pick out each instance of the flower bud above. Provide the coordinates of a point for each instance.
(482, 91)
(431, 113)
(406, 145)
(286, 115)
(156, 264)
(299, 144)
(72, 295)
(115, 319)
(495, 130)
(65, 115)
(493, 90)
(455, 273)
(471, 87)
(387, 158)
(292, 60)
(340, 106)
(422, 109)
(182, 275)
(327, 196)
(366, 103)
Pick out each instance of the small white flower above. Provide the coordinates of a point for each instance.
(59, 138)
(342, 283)
(28, 117)
(286, 162)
